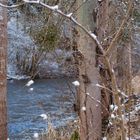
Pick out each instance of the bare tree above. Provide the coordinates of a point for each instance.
(90, 110)
(3, 59)
(89, 92)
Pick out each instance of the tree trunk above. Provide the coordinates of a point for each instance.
(89, 93)
(3, 61)
(103, 32)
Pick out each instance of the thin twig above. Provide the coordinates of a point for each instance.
(112, 44)
(98, 102)
(95, 39)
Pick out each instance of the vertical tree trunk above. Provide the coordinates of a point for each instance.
(90, 94)
(103, 33)
(3, 61)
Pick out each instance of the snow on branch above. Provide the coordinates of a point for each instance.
(99, 102)
(12, 6)
(67, 16)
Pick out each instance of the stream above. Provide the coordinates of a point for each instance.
(52, 97)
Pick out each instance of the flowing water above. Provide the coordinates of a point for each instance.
(25, 105)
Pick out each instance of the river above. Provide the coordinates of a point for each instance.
(25, 105)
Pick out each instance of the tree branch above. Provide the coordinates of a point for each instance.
(12, 6)
(67, 16)
(95, 39)
(112, 44)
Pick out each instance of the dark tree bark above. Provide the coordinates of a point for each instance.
(3, 82)
(103, 32)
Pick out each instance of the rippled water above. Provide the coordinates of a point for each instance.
(52, 97)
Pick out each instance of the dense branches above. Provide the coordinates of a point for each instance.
(105, 52)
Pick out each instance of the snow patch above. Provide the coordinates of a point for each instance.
(44, 116)
(69, 15)
(36, 135)
(76, 83)
(54, 7)
(29, 83)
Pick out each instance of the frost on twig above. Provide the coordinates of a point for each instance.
(76, 83)
(69, 15)
(83, 108)
(113, 107)
(122, 93)
(93, 35)
(112, 116)
(54, 8)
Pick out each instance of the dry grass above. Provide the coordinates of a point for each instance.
(68, 132)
